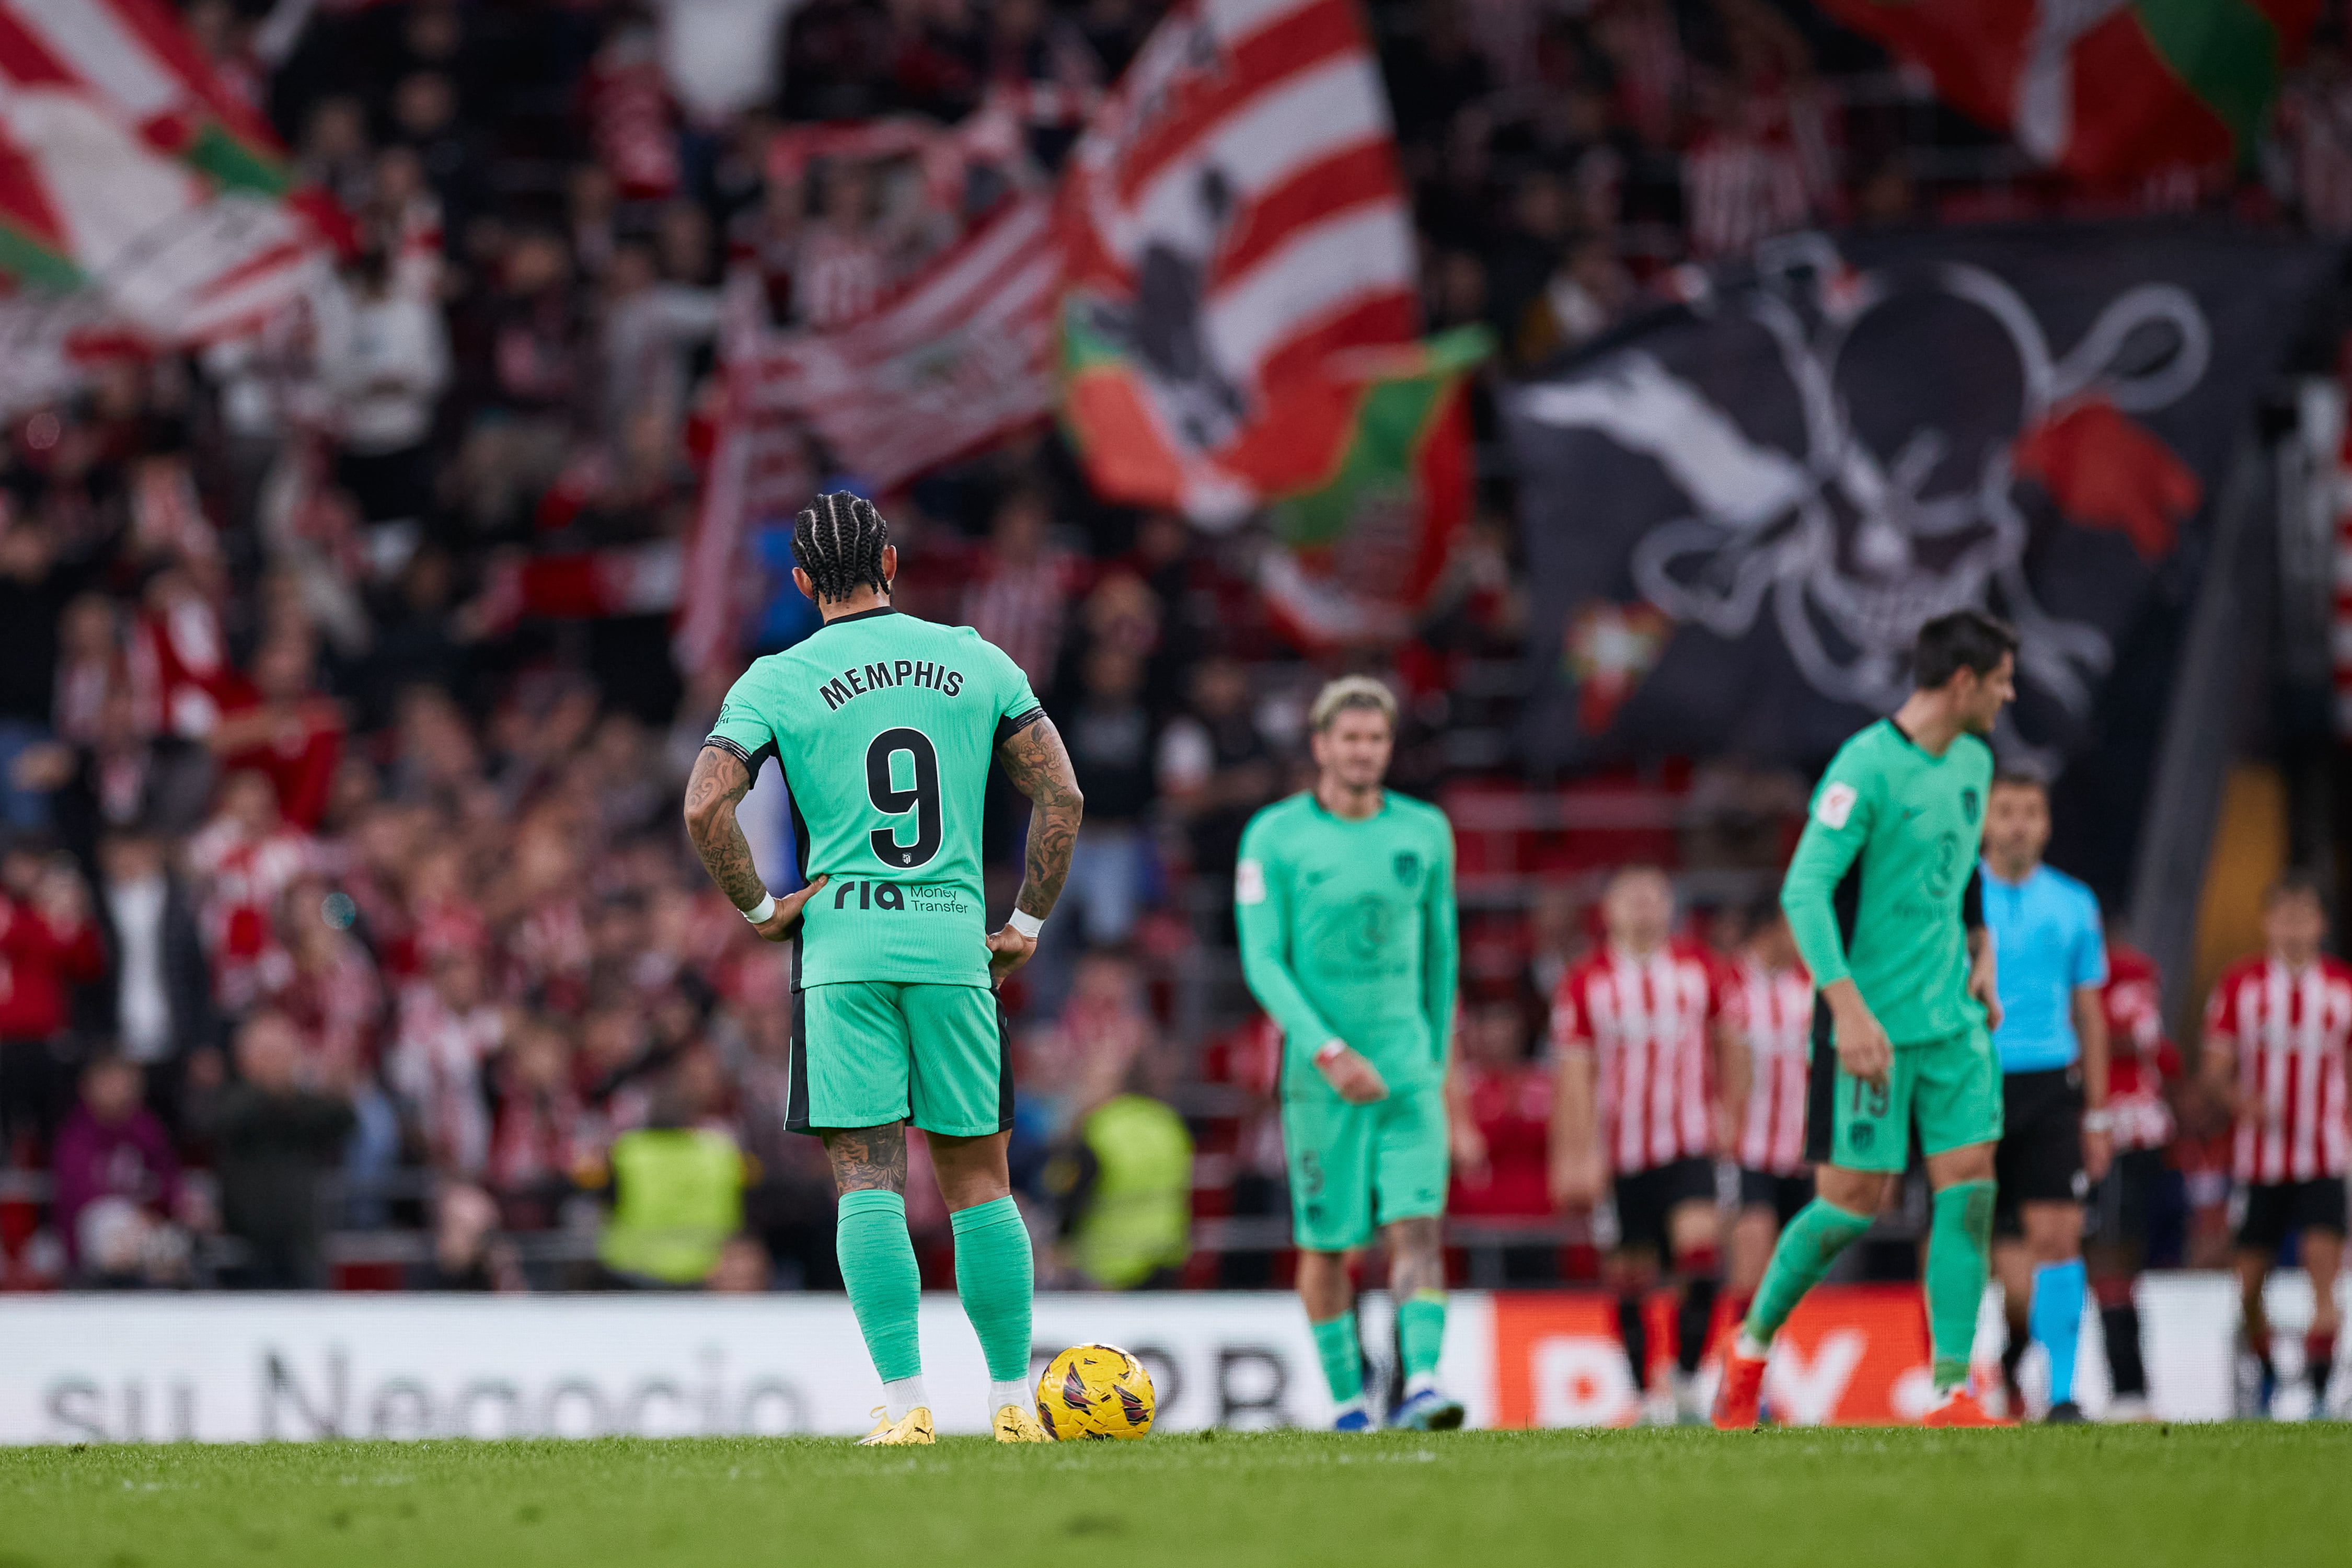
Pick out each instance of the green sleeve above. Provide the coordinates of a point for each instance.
(1261, 914)
(742, 726)
(1441, 969)
(1836, 830)
(1015, 699)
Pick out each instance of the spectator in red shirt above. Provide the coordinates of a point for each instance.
(242, 862)
(47, 944)
(281, 727)
(112, 1147)
(1500, 1107)
(540, 1134)
(2143, 1073)
(1502, 1119)
(330, 991)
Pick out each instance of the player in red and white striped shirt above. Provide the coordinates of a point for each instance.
(2140, 1061)
(1650, 1078)
(1773, 1007)
(2276, 1033)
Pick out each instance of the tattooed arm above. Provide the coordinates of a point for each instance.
(1039, 767)
(719, 780)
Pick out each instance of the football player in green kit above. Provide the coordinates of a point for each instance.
(884, 727)
(1344, 897)
(1883, 900)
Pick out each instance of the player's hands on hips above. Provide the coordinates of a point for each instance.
(1008, 950)
(1358, 1080)
(1575, 1179)
(2098, 1153)
(1862, 1048)
(785, 923)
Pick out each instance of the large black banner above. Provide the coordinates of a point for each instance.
(1738, 512)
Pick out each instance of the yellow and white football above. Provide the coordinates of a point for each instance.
(1095, 1391)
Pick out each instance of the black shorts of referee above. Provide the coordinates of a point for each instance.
(2039, 1159)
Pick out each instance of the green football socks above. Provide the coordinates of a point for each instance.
(1342, 1356)
(1807, 1248)
(996, 1277)
(1421, 1333)
(1959, 1257)
(886, 1288)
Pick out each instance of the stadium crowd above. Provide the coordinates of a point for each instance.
(344, 893)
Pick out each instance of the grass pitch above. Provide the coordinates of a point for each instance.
(2140, 1496)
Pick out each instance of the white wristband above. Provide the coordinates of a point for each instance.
(1329, 1052)
(1024, 922)
(2099, 1121)
(759, 912)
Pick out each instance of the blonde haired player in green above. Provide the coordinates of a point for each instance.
(1344, 897)
(884, 727)
(1884, 904)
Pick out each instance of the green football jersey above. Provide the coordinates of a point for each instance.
(885, 726)
(1876, 889)
(1347, 930)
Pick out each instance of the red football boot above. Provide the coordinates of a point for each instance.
(1960, 1408)
(1740, 1398)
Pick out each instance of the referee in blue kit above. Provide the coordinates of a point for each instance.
(2052, 1040)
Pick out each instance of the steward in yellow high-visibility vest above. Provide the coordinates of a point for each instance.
(677, 1197)
(1128, 1191)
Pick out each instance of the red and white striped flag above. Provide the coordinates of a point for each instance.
(129, 175)
(963, 355)
(1235, 219)
(959, 358)
(758, 468)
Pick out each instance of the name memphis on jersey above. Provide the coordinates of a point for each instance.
(882, 675)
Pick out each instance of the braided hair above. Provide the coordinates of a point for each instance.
(837, 539)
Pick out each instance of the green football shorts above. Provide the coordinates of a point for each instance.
(1948, 1089)
(1356, 1166)
(868, 1053)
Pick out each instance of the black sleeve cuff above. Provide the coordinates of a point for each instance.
(1012, 725)
(751, 760)
(730, 747)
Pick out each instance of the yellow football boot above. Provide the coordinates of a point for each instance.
(1018, 1423)
(914, 1426)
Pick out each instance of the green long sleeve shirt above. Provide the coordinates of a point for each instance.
(1348, 931)
(1878, 889)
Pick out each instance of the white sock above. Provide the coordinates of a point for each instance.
(1001, 1393)
(1419, 1384)
(1749, 1349)
(903, 1393)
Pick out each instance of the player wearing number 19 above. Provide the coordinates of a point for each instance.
(1884, 900)
(884, 726)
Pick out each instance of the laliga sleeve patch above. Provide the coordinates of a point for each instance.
(1249, 883)
(1835, 805)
